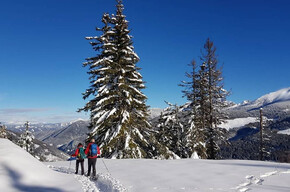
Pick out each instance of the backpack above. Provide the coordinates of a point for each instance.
(94, 150)
(81, 154)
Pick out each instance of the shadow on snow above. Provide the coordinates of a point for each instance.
(16, 181)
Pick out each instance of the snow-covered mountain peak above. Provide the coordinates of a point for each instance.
(74, 121)
(277, 96)
(154, 112)
(276, 105)
(245, 102)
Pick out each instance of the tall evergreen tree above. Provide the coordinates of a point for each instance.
(216, 99)
(207, 98)
(118, 110)
(195, 127)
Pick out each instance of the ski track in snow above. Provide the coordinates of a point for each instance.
(252, 180)
(103, 183)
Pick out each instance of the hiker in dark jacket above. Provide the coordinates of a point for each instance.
(92, 151)
(80, 155)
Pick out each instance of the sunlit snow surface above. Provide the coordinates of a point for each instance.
(142, 175)
(286, 132)
(238, 122)
(280, 95)
(21, 172)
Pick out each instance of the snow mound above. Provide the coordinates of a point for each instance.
(19, 171)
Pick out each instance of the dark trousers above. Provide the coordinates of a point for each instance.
(92, 164)
(80, 161)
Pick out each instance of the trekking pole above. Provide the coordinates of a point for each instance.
(69, 166)
(106, 166)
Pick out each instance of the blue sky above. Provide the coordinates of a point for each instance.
(42, 49)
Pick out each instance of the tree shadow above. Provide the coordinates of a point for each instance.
(16, 181)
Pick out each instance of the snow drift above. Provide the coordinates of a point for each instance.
(19, 171)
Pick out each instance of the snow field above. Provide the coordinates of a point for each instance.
(286, 132)
(238, 122)
(263, 183)
(187, 175)
(19, 171)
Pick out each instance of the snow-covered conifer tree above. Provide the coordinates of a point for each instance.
(216, 99)
(3, 133)
(195, 131)
(118, 110)
(171, 131)
(26, 139)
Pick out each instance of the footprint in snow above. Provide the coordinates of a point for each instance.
(268, 174)
(243, 185)
(244, 189)
(250, 177)
(258, 181)
(286, 172)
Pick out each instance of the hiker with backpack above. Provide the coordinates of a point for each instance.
(80, 155)
(92, 151)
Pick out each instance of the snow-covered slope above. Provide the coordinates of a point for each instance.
(19, 171)
(274, 97)
(42, 151)
(238, 122)
(154, 112)
(286, 132)
(188, 175)
(276, 105)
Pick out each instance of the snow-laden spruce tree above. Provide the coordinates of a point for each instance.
(195, 129)
(215, 101)
(171, 132)
(117, 105)
(3, 133)
(26, 139)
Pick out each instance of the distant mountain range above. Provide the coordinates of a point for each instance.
(244, 140)
(276, 105)
(42, 151)
(62, 136)
(67, 138)
(39, 130)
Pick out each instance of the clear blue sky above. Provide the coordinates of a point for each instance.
(42, 49)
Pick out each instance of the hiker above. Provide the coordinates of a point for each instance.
(92, 151)
(80, 155)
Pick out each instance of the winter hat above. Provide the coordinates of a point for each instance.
(80, 144)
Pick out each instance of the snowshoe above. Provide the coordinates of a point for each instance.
(94, 178)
